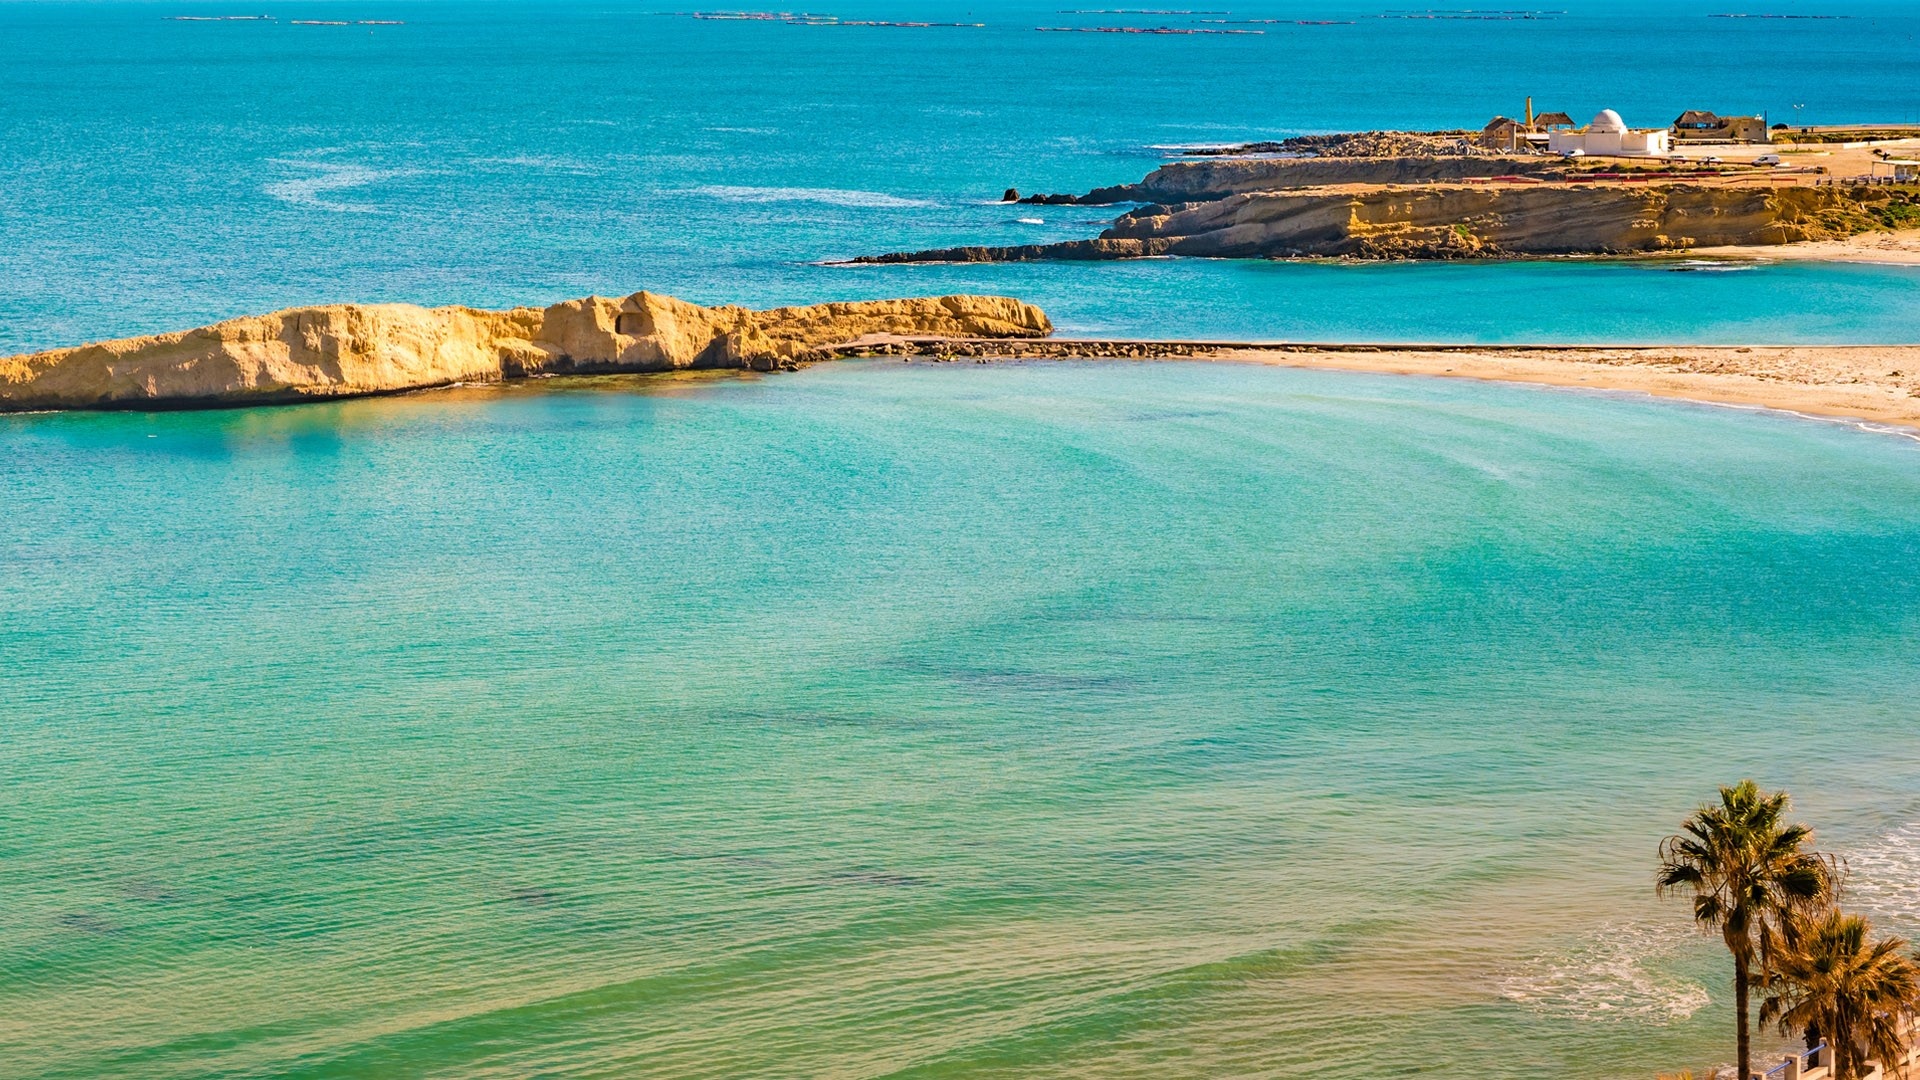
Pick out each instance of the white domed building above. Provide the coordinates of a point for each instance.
(1609, 136)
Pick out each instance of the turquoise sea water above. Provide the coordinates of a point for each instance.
(1080, 720)
(158, 174)
(899, 720)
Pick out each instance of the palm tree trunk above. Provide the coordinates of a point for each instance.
(1740, 994)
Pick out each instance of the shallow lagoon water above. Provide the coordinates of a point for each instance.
(883, 719)
(1127, 720)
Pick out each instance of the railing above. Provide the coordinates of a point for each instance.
(1812, 1064)
(1817, 1063)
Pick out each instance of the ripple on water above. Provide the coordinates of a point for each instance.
(827, 196)
(1711, 266)
(1609, 975)
(323, 178)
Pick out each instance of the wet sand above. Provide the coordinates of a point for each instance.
(1880, 384)
(1873, 383)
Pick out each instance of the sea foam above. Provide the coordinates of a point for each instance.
(1604, 976)
(328, 176)
(1883, 879)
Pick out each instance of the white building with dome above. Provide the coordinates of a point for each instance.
(1609, 136)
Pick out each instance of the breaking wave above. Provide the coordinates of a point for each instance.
(1604, 977)
(1883, 879)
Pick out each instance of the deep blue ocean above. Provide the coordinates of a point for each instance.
(160, 174)
(899, 720)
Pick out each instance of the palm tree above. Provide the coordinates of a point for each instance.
(1830, 974)
(1745, 868)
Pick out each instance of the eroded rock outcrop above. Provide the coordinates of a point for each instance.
(1348, 144)
(1193, 181)
(1459, 221)
(1469, 221)
(349, 349)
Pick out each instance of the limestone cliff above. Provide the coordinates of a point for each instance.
(1453, 221)
(347, 349)
(1193, 181)
(1427, 221)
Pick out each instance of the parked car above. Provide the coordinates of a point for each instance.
(1769, 159)
(1710, 161)
(1573, 153)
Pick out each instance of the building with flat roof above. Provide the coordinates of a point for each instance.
(1609, 136)
(1897, 170)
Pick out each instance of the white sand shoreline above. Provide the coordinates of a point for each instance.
(1883, 248)
(1827, 387)
(1873, 384)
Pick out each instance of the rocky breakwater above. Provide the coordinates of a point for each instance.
(343, 350)
(984, 351)
(1460, 221)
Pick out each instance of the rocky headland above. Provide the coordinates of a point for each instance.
(344, 350)
(1195, 181)
(1386, 202)
(1453, 221)
(1352, 144)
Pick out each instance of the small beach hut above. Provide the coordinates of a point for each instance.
(1700, 125)
(1696, 120)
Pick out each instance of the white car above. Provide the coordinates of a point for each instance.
(1573, 153)
(1769, 159)
(1710, 161)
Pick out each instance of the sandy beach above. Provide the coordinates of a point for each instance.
(1896, 248)
(1872, 383)
(1880, 384)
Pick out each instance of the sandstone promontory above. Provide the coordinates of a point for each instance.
(1197, 181)
(1454, 221)
(343, 350)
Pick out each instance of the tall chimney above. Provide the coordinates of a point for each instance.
(1529, 111)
